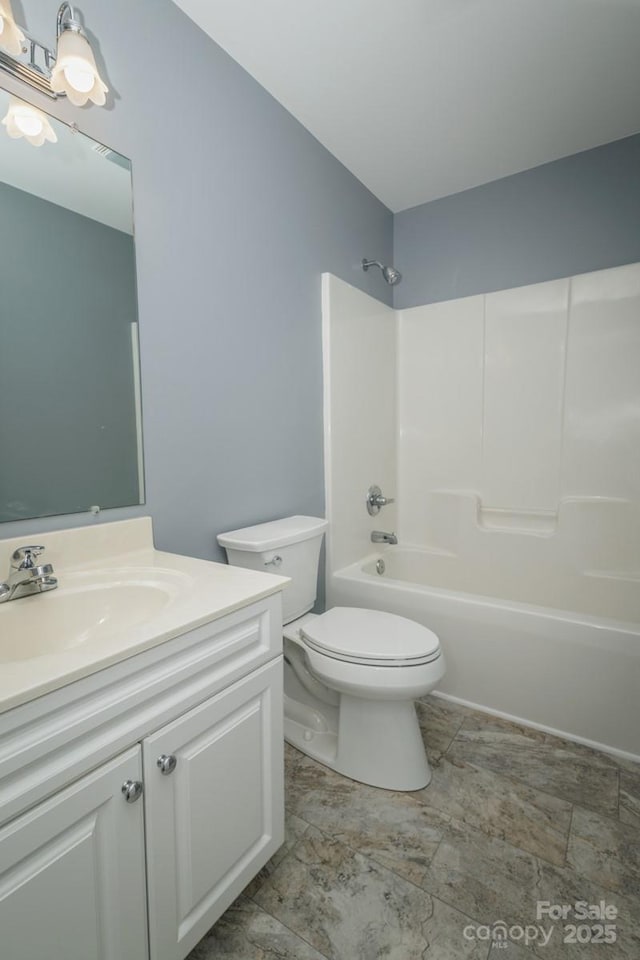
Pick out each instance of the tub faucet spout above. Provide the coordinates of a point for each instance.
(378, 536)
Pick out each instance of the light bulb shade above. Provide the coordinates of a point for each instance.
(75, 72)
(23, 120)
(11, 36)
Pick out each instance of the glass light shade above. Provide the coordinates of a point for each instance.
(79, 74)
(11, 36)
(23, 120)
(75, 72)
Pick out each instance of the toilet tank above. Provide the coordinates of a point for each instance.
(289, 547)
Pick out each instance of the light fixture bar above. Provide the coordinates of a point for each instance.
(70, 71)
(36, 76)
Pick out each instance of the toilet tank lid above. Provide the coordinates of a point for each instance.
(274, 534)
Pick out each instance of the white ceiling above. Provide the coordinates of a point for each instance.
(424, 98)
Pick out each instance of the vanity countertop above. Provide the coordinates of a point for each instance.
(116, 597)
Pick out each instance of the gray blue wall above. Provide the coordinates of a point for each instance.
(67, 399)
(571, 216)
(238, 211)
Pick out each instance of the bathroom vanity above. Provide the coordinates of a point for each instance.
(141, 768)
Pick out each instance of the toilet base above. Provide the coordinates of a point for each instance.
(380, 743)
(375, 742)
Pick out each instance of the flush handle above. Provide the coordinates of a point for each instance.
(166, 763)
(274, 562)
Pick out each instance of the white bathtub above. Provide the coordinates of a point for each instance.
(576, 674)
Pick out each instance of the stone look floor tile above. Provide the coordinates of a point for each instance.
(294, 828)
(439, 722)
(606, 851)
(291, 758)
(491, 881)
(347, 906)
(630, 794)
(565, 886)
(394, 829)
(246, 932)
(308, 777)
(444, 931)
(510, 951)
(559, 767)
(367, 874)
(485, 877)
(501, 807)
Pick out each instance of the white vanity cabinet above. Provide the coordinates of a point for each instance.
(72, 872)
(210, 820)
(89, 874)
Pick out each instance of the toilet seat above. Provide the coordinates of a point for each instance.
(370, 637)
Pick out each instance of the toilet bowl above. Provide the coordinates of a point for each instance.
(351, 675)
(378, 664)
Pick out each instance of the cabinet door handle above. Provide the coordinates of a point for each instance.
(166, 763)
(132, 790)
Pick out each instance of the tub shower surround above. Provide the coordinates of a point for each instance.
(507, 427)
(511, 817)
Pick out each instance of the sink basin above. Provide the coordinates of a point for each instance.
(117, 597)
(83, 610)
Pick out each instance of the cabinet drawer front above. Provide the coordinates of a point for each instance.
(72, 883)
(215, 818)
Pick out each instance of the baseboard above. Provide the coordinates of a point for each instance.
(481, 708)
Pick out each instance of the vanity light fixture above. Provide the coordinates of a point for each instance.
(23, 120)
(70, 71)
(75, 72)
(11, 36)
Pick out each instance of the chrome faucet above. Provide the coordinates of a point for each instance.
(376, 500)
(378, 536)
(26, 577)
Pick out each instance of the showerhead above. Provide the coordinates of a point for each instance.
(391, 275)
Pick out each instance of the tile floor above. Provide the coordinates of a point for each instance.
(512, 816)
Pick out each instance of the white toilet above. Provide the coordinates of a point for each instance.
(351, 675)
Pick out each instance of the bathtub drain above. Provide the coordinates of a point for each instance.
(380, 568)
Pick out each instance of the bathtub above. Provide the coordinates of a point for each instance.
(574, 673)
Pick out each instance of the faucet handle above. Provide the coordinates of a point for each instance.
(376, 500)
(24, 557)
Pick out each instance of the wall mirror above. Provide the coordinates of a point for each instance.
(70, 416)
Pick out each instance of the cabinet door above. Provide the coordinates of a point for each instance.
(215, 819)
(72, 878)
